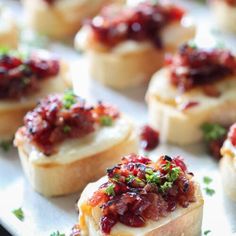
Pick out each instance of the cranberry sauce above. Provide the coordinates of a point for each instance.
(231, 2)
(232, 134)
(50, 2)
(58, 117)
(192, 66)
(139, 190)
(140, 23)
(149, 138)
(21, 77)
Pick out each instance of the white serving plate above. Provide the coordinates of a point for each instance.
(44, 216)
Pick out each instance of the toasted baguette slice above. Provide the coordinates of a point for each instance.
(183, 126)
(62, 18)
(8, 30)
(228, 169)
(12, 112)
(182, 221)
(77, 162)
(225, 15)
(130, 63)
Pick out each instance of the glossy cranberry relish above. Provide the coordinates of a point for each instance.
(232, 134)
(139, 190)
(193, 66)
(21, 77)
(49, 1)
(142, 22)
(149, 138)
(58, 117)
(231, 2)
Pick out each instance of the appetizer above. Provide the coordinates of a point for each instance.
(225, 14)
(60, 18)
(65, 143)
(126, 44)
(25, 79)
(139, 197)
(194, 87)
(228, 163)
(8, 29)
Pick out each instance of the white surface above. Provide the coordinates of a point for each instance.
(44, 216)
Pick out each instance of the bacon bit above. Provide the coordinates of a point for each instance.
(149, 138)
(142, 22)
(144, 190)
(211, 91)
(188, 105)
(232, 134)
(192, 67)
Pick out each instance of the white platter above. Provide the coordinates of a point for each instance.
(44, 216)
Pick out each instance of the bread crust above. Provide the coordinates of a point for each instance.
(225, 15)
(9, 38)
(12, 112)
(228, 173)
(181, 222)
(123, 68)
(55, 179)
(183, 127)
(63, 18)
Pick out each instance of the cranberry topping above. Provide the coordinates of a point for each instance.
(188, 105)
(139, 190)
(57, 118)
(149, 138)
(21, 77)
(50, 2)
(192, 66)
(231, 2)
(140, 23)
(232, 134)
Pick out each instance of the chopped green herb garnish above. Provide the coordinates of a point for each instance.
(132, 178)
(209, 191)
(166, 167)
(173, 174)
(106, 120)
(69, 99)
(4, 50)
(206, 232)
(66, 129)
(110, 190)
(166, 186)
(192, 44)
(149, 171)
(213, 131)
(116, 177)
(153, 178)
(6, 145)
(19, 214)
(57, 234)
(207, 180)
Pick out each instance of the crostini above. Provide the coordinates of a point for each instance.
(126, 44)
(139, 197)
(60, 18)
(228, 163)
(196, 86)
(25, 79)
(225, 14)
(8, 29)
(64, 144)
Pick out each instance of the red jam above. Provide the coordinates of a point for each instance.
(57, 118)
(232, 134)
(139, 190)
(231, 2)
(149, 138)
(192, 67)
(140, 23)
(21, 77)
(49, 1)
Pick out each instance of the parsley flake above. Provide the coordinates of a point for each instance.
(206, 232)
(19, 214)
(66, 129)
(6, 145)
(110, 190)
(173, 174)
(153, 178)
(213, 131)
(209, 191)
(207, 180)
(106, 120)
(166, 186)
(69, 99)
(57, 233)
